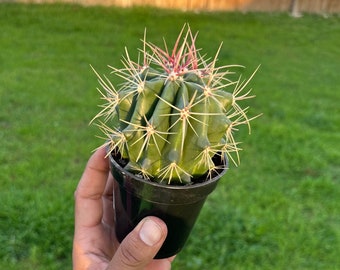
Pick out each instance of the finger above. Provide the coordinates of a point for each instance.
(161, 264)
(140, 246)
(88, 195)
(108, 214)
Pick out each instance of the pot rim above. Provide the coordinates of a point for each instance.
(168, 186)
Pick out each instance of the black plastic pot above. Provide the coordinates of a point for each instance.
(177, 206)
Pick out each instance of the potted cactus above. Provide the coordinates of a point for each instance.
(169, 134)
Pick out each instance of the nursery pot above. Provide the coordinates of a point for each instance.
(177, 206)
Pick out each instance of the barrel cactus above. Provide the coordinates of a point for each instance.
(172, 119)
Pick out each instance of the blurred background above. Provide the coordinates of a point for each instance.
(319, 6)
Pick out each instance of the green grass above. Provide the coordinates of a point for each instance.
(279, 210)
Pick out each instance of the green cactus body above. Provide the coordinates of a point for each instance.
(173, 114)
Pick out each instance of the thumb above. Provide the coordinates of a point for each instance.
(140, 246)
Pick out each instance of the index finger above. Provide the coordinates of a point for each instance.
(88, 195)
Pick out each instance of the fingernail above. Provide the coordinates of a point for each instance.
(150, 233)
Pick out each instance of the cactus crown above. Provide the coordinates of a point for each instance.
(173, 115)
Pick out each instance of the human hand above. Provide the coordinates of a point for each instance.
(95, 246)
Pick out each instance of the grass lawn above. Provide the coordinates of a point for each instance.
(280, 209)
